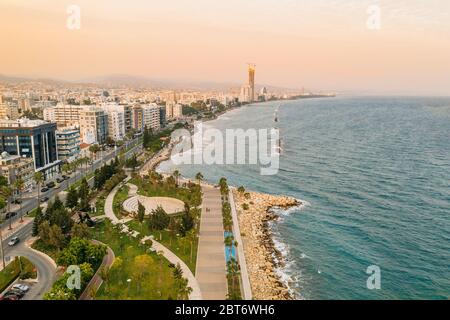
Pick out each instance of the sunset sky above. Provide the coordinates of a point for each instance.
(320, 44)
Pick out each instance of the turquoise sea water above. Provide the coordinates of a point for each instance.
(375, 173)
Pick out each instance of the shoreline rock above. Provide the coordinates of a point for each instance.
(263, 259)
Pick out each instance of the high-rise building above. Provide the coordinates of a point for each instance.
(35, 139)
(162, 116)
(151, 118)
(137, 118)
(93, 125)
(65, 115)
(68, 144)
(173, 110)
(251, 81)
(116, 124)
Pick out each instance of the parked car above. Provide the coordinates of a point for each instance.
(59, 180)
(65, 177)
(44, 189)
(13, 241)
(10, 215)
(17, 201)
(15, 292)
(9, 297)
(44, 199)
(21, 287)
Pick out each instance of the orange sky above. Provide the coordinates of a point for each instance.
(321, 44)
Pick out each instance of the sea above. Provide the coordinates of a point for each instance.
(373, 174)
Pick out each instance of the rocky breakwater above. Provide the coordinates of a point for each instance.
(255, 214)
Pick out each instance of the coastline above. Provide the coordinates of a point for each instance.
(262, 257)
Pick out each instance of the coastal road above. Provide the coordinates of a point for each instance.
(30, 201)
(46, 269)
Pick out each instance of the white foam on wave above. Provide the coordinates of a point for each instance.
(289, 274)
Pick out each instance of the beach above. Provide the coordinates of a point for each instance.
(262, 257)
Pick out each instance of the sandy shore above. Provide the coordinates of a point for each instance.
(260, 253)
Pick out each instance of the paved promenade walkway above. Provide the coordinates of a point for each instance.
(211, 267)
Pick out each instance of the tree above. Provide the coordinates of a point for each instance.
(51, 235)
(159, 219)
(94, 149)
(72, 198)
(177, 272)
(176, 174)
(83, 194)
(38, 178)
(199, 177)
(229, 242)
(241, 189)
(19, 186)
(140, 212)
(80, 230)
(142, 267)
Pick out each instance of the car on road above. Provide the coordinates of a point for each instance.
(44, 199)
(13, 241)
(50, 185)
(44, 189)
(59, 180)
(65, 177)
(10, 215)
(21, 287)
(17, 201)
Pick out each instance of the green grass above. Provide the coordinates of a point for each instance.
(181, 246)
(13, 270)
(100, 207)
(156, 284)
(163, 189)
(77, 184)
(119, 198)
(39, 245)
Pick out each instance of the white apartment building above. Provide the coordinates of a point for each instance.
(173, 111)
(151, 116)
(93, 125)
(116, 125)
(65, 115)
(116, 120)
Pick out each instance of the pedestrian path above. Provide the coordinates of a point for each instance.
(211, 267)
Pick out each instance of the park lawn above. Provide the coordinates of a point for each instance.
(12, 271)
(156, 284)
(52, 252)
(119, 198)
(99, 206)
(163, 189)
(181, 246)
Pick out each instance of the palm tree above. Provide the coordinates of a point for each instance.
(38, 177)
(199, 177)
(176, 175)
(19, 185)
(229, 241)
(94, 149)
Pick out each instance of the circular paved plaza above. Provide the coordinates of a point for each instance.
(170, 205)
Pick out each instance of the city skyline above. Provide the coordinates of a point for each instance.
(324, 45)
